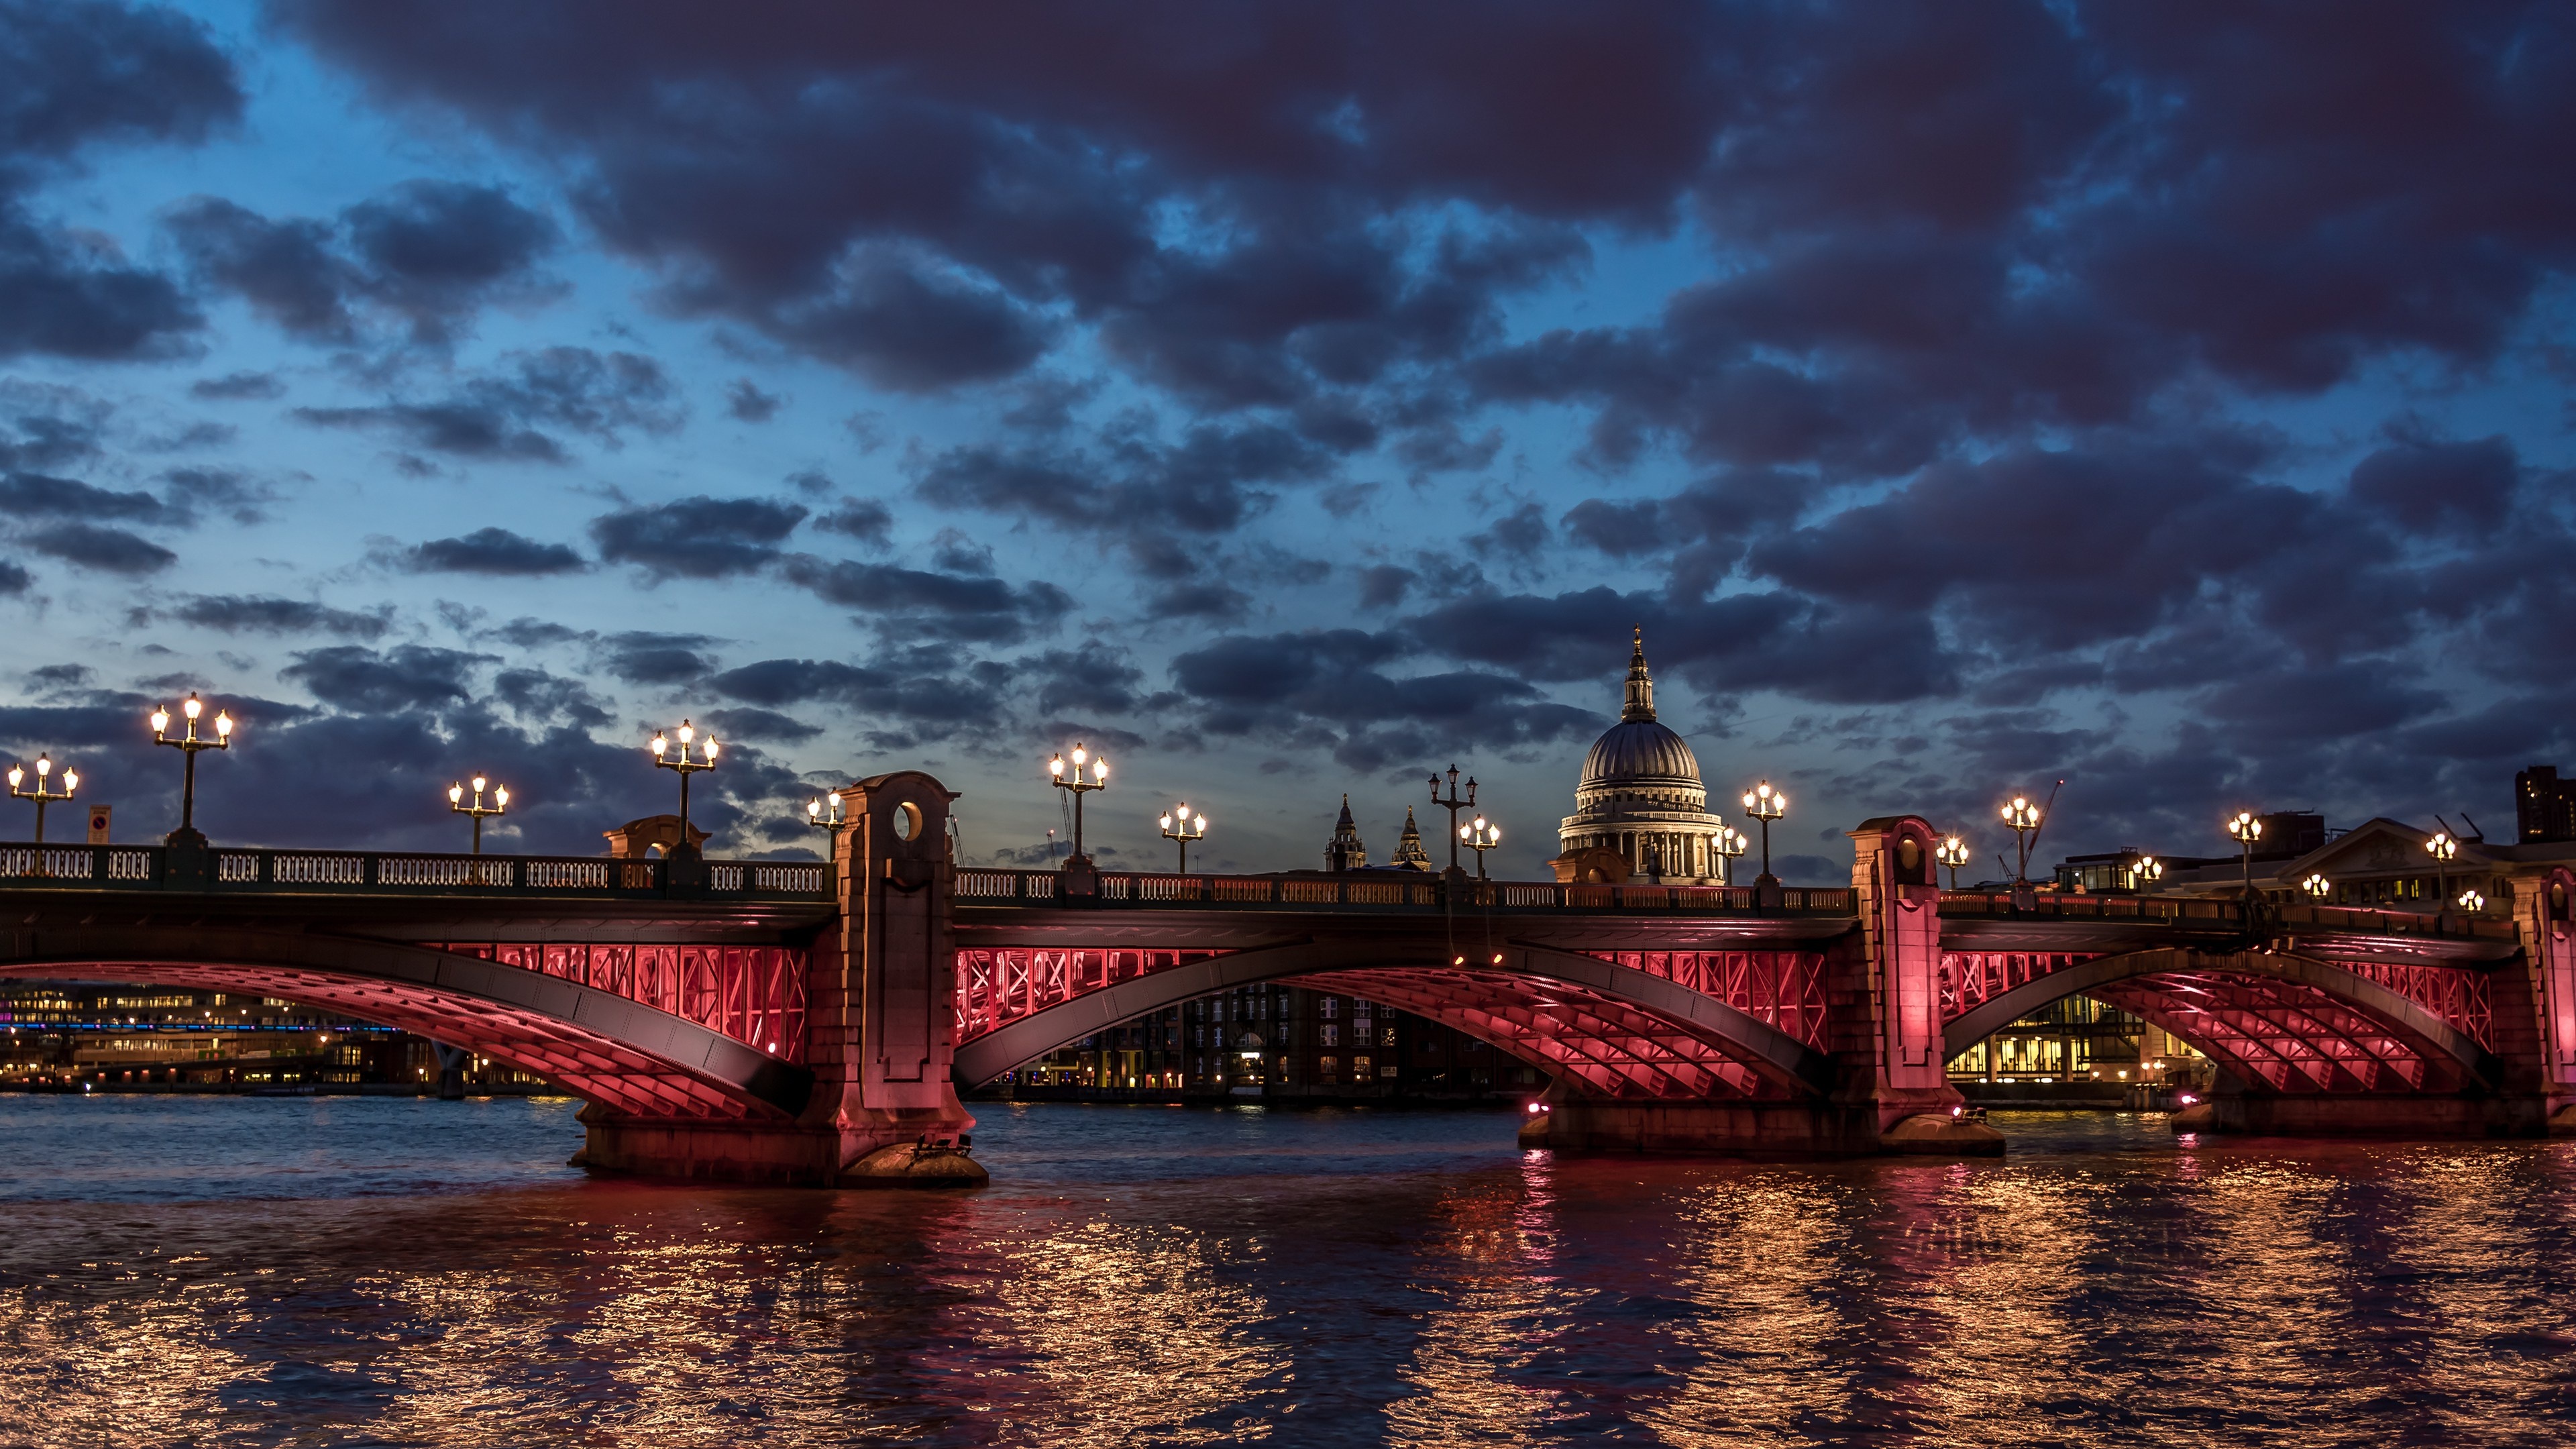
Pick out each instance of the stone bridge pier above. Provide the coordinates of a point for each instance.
(879, 1027)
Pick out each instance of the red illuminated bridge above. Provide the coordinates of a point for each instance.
(804, 1022)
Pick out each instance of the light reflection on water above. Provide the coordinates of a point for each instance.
(178, 1271)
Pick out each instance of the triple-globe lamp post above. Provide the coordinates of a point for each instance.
(1181, 825)
(1480, 835)
(2247, 827)
(1731, 844)
(1084, 773)
(190, 745)
(2021, 817)
(475, 807)
(2444, 849)
(1952, 852)
(678, 759)
(1766, 805)
(42, 795)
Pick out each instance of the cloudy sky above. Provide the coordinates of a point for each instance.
(2170, 398)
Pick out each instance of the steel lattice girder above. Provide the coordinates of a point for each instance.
(605, 1048)
(2298, 1023)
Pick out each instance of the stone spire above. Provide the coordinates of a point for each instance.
(1344, 851)
(1409, 854)
(1641, 685)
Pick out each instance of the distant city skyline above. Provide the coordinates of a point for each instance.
(2170, 401)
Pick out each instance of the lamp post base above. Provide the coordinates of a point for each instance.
(1078, 878)
(1766, 891)
(188, 863)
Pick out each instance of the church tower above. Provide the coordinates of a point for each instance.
(1409, 854)
(1344, 851)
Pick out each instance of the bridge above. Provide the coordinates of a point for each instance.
(813, 1023)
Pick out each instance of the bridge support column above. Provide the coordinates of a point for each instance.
(880, 1027)
(1886, 1015)
(2536, 1009)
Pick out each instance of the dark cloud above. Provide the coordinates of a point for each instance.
(495, 551)
(536, 633)
(359, 680)
(760, 724)
(1278, 685)
(35, 495)
(698, 537)
(112, 550)
(14, 578)
(918, 603)
(507, 416)
(2441, 487)
(534, 694)
(74, 77)
(429, 253)
(921, 694)
(745, 400)
(267, 614)
(864, 519)
(657, 658)
(238, 386)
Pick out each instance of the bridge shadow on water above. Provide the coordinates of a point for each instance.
(194, 1271)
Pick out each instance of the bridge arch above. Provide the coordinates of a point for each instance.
(629, 1057)
(1616, 1030)
(2291, 1022)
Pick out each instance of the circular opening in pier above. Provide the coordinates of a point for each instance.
(907, 820)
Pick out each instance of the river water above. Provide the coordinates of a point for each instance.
(230, 1271)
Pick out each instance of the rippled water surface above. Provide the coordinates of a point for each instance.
(361, 1271)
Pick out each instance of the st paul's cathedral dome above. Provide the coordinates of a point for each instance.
(1640, 810)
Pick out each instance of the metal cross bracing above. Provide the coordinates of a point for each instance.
(754, 994)
(998, 987)
(1614, 1047)
(2290, 1036)
(594, 1068)
(2464, 998)
(1611, 1048)
(1970, 979)
(1784, 989)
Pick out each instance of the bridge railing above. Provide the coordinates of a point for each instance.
(1378, 891)
(2219, 911)
(146, 868)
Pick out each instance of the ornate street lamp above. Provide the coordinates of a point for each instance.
(2146, 872)
(1952, 852)
(500, 803)
(2022, 818)
(189, 745)
(1480, 836)
(2444, 850)
(1072, 779)
(42, 796)
(2247, 830)
(823, 812)
(1766, 805)
(1731, 843)
(1453, 805)
(667, 758)
(1183, 827)
(2471, 902)
(2317, 886)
